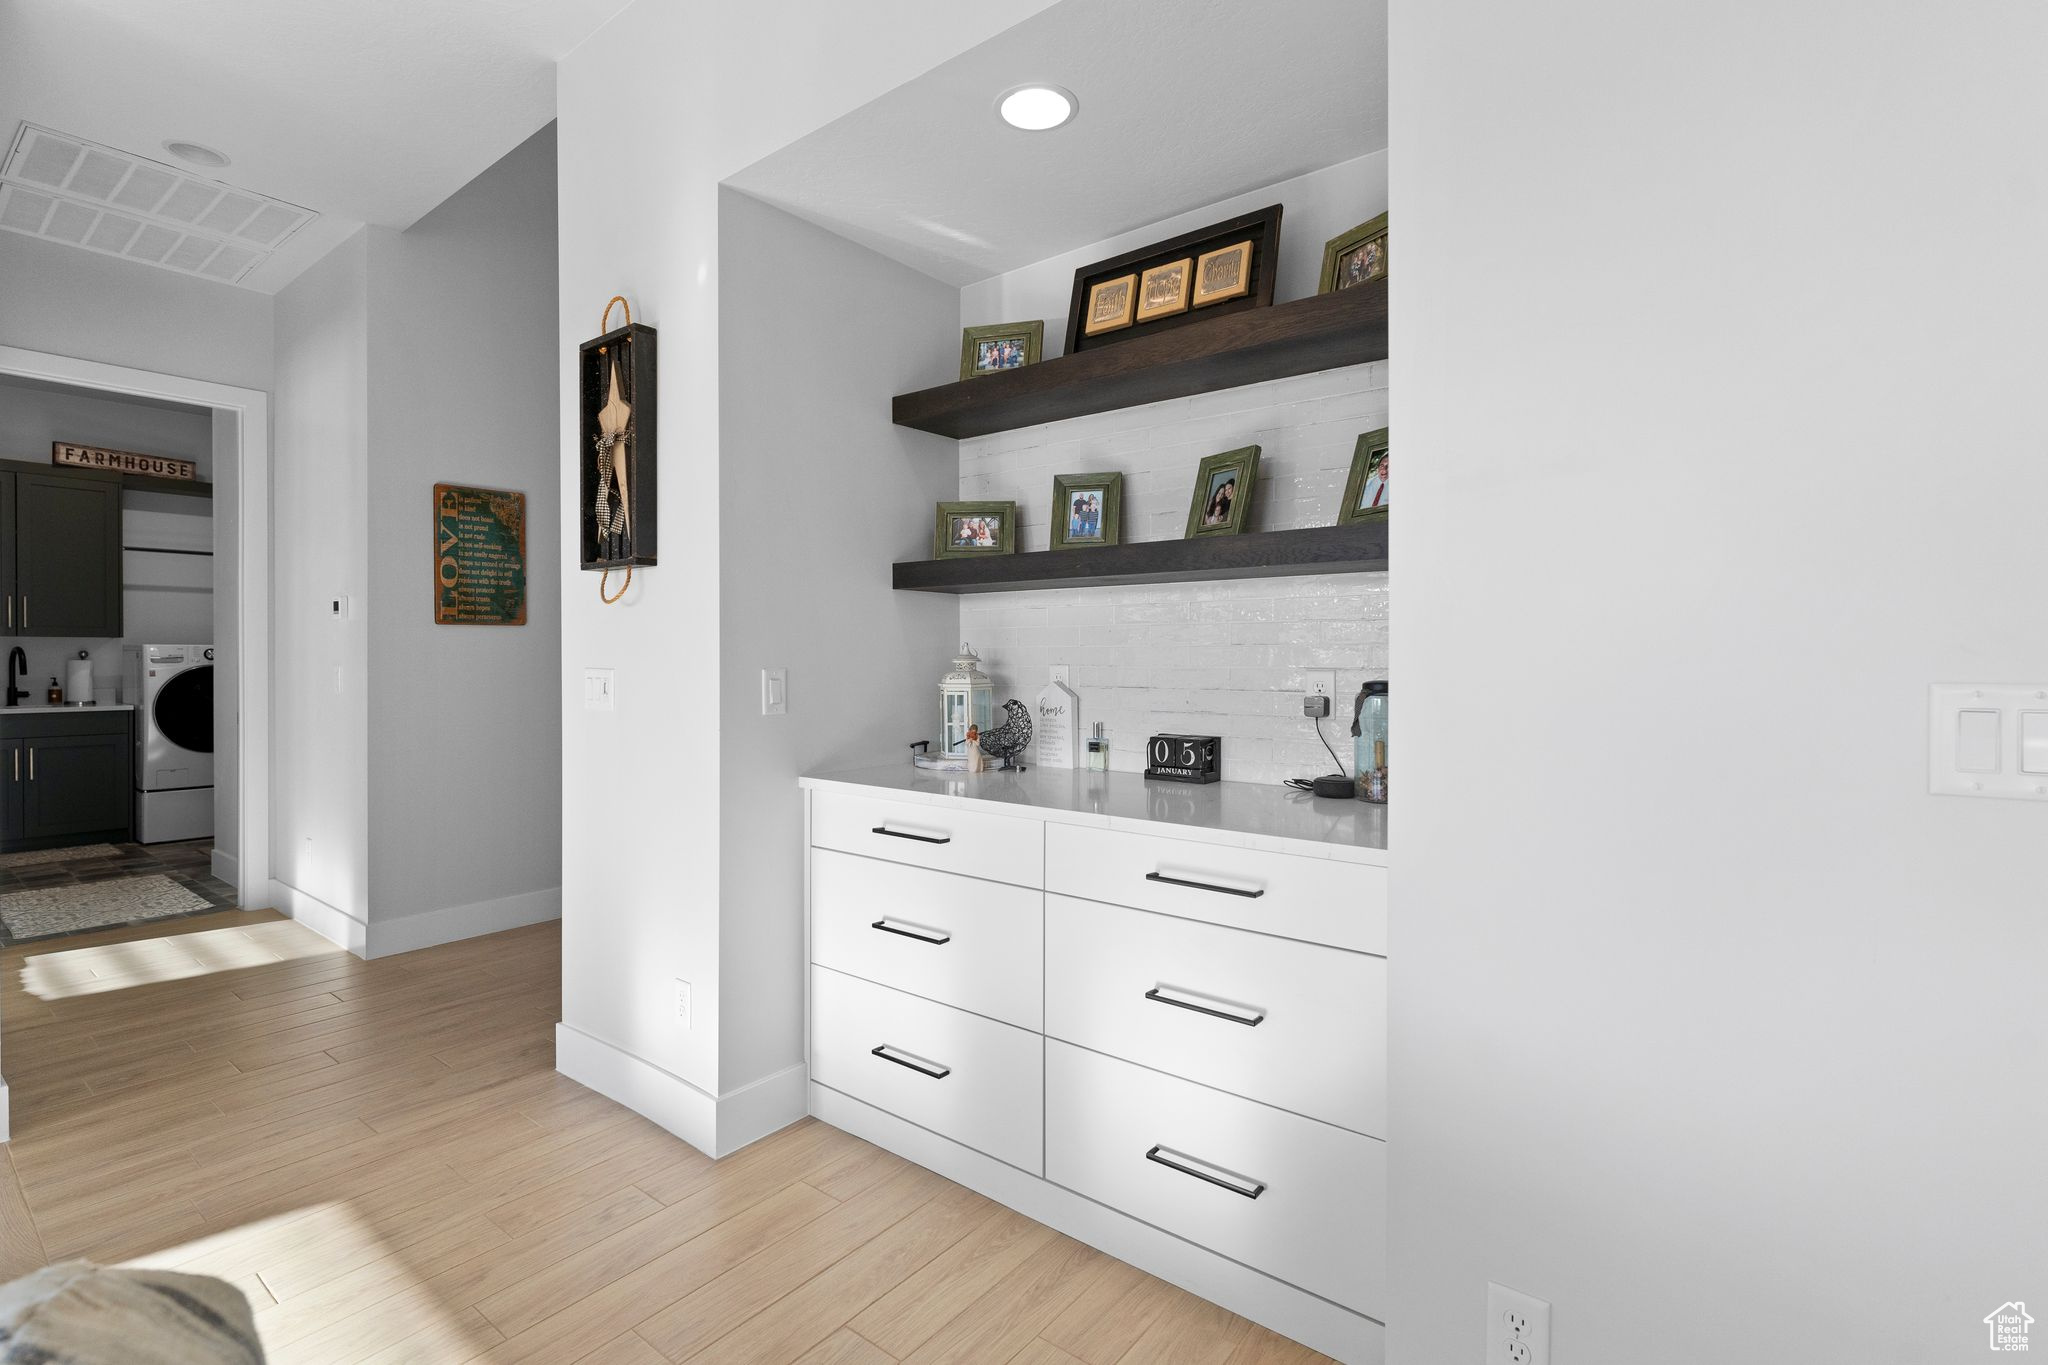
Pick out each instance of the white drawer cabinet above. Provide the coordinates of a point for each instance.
(999, 848)
(1292, 1024)
(971, 1079)
(972, 944)
(1301, 1200)
(1316, 899)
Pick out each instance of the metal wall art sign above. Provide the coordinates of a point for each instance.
(479, 556)
(121, 461)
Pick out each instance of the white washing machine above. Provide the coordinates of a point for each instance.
(171, 687)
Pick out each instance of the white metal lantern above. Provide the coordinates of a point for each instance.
(966, 697)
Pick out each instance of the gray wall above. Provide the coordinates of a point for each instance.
(819, 495)
(1718, 353)
(465, 721)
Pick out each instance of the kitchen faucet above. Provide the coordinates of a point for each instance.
(17, 667)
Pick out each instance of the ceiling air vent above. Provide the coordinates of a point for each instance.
(68, 189)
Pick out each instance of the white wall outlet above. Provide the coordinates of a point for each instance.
(1320, 683)
(682, 1002)
(1517, 1327)
(1063, 674)
(774, 691)
(600, 692)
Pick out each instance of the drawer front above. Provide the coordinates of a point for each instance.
(973, 944)
(1185, 1158)
(1292, 1024)
(999, 848)
(971, 1079)
(1316, 899)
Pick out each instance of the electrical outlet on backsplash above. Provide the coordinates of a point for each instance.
(1223, 658)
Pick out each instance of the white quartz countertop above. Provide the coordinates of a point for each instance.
(1247, 813)
(44, 709)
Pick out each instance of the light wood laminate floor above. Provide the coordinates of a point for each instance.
(381, 1155)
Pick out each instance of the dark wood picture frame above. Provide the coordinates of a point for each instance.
(1030, 334)
(942, 525)
(1261, 229)
(1244, 463)
(1369, 454)
(637, 388)
(1064, 487)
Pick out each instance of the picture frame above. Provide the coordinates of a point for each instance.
(1259, 227)
(961, 530)
(1222, 275)
(1079, 524)
(1365, 493)
(1222, 500)
(1000, 346)
(1355, 257)
(1163, 290)
(1112, 305)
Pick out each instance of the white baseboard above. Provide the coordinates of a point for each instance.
(409, 933)
(228, 868)
(3, 1111)
(1315, 1322)
(337, 926)
(715, 1125)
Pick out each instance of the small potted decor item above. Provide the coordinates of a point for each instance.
(1365, 496)
(966, 704)
(1163, 290)
(1222, 503)
(1112, 304)
(1223, 274)
(968, 530)
(1355, 257)
(1087, 509)
(1000, 346)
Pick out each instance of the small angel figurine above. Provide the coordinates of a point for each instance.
(976, 760)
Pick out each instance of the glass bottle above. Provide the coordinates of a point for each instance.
(1369, 741)
(1098, 751)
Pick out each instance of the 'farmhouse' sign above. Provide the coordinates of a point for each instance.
(122, 461)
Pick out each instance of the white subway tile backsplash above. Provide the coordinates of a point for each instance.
(1223, 658)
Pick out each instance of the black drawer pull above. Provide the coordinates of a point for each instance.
(934, 936)
(1250, 1020)
(921, 838)
(912, 1061)
(1205, 886)
(1202, 1170)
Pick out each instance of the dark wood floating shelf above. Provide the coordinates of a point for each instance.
(1261, 554)
(1321, 333)
(184, 488)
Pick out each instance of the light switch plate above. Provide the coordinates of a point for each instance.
(1988, 739)
(774, 691)
(599, 693)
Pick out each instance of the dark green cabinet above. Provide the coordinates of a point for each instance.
(67, 777)
(60, 565)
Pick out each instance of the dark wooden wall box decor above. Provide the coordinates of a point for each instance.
(479, 556)
(1249, 347)
(1261, 229)
(632, 348)
(1258, 554)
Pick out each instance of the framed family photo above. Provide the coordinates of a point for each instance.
(1222, 503)
(1355, 257)
(1000, 346)
(1087, 509)
(965, 530)
(1365, 496)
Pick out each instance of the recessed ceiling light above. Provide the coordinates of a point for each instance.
(197, 153)
(1035, 108)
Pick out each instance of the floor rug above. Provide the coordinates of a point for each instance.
(46, 910)
(37, 856)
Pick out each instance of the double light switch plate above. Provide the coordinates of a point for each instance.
(1988, 739)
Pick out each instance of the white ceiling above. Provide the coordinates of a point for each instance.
(367, 111)
(1182, 103)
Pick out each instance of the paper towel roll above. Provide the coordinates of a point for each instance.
(78, 681)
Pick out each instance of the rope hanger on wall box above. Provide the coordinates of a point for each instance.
(617, 457)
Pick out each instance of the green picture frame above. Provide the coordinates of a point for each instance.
(1029, 338)
(1349, 260)
(953, 524)
(1229, 479)
(1367, 458)
(1071, 524)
